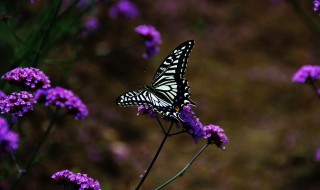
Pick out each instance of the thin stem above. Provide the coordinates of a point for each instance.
(177, 133)
(36, 151)
(13, 157)
(47, 33)
(154, 158)
(315, 88)
(18, 38)
(184, 169)
(164, 132)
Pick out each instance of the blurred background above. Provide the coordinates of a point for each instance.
(239, 71)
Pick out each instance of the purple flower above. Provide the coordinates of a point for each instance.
(79, 181)
(316, 5)
(2, 95)
(125, 9)
(307, 73)
(191, 123)
(92, 23)
(63, 98)
(142, 109)
(30, 78)
(215, 135)
(9, 140)
(317, 156)
(32, 1)
(17, 103)
(152, 39)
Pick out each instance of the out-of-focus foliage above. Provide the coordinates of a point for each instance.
(240, 77)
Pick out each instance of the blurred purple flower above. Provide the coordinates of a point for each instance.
(125, 9)
(317, 156)
(32, 1)
(61, 97)
(316, 5)
(31, 78)
(152, 39)
(79, 181)
(92, 23)
(9, 140)
(2, 95)
(307, 73)
(17, 103)
(215, 135)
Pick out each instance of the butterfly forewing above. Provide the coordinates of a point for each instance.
(169, 91)
(176, 62)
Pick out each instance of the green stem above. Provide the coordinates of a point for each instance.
(155, 157)
(35, 151)
(46, 34)
(184, 169)
(18, 38)
(13, 157)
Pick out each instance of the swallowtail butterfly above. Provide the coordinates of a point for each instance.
(169, 90)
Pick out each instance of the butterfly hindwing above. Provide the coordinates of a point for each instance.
(169, 90)
(142, 97)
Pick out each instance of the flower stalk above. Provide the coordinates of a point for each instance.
(155, 156)
(36, 150)
(180, 174)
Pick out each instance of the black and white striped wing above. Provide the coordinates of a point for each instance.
(175, 63)
(141, 97)
(169, 79)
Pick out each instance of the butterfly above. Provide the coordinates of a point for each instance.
(168, 92)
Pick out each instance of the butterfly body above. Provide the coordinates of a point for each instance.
(169, 90)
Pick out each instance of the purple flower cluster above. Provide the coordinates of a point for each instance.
(32, 1)
(316, 6)
(307, 73)
(152, 39)
(147, 110)
(79, 181)
(17, 103)
(214, 134)
(125, 9)
(9, 140)
(191, 123)
(30, 78)
(61, 97)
